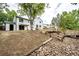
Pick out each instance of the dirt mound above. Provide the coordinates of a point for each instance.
(71, 32)
(20, 42)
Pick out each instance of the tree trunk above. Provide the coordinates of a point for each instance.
(31, 25)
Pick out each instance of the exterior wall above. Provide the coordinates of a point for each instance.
(26, 28)
(14, 27)
(17, 24)
(7, 27)
(38, 22)
(26, 24)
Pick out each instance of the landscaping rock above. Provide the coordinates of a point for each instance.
(69, 47)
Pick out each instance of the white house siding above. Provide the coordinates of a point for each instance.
(25, 28)
(17, 24)
(14, 27)
(25, 23)
(38, 22)
(29, 27)
(7, 27)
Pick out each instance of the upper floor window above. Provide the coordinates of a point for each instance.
(74, 3)
(20, 20)
(28, 21)
(40, 21)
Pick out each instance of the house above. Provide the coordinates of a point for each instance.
(21, 23)
(38, 23)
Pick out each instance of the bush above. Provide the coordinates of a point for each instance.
(69, 20)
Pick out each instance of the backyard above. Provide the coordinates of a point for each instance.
(69, 47)
(23, 42)
(38, 29)
(55, 47)
(20, 42)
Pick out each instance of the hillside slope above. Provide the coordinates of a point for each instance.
(20, 42)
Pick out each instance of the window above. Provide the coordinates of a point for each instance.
(40, 26)
(40, 21)
(74, 3)
(20, 20)
(36, 27)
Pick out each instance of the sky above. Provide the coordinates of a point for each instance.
(51, 12)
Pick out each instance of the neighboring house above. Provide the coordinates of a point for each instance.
(20, 23)
(38, 23)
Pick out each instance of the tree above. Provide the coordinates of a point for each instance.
(32, 10)
(5, 13)
(3, 16)
(68, 20)
(3, 6)
(56, 20)
(10, 14)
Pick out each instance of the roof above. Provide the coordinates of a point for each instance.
(39, 19)
(9, 22)
(21, 17)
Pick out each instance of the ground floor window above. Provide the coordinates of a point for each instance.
(21, 27)
(11, 27)
(2, 28)
(40, 26)
(36, 27)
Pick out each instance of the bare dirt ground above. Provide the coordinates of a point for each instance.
(69, 47)
(19, 42)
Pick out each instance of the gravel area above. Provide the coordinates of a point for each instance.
(69, 47)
